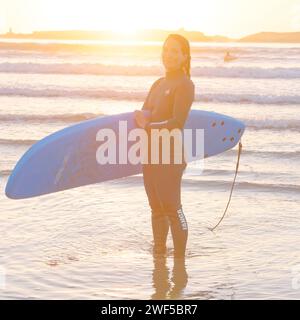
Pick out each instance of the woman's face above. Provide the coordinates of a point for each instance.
(172, 56)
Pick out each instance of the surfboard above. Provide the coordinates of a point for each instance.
(67, 158)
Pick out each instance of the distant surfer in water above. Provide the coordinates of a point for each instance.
(228, 57)
(169, 101)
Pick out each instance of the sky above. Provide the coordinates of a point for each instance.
(233, 18)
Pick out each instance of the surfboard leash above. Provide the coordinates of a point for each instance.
(233, 183)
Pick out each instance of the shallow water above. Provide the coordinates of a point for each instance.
(95, 242)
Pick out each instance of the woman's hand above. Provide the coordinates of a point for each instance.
(140, 119)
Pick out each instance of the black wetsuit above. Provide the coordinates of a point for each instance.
(169, 100)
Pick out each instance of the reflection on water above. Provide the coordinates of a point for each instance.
(164, 287)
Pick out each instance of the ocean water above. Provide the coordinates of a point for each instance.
(95, 242)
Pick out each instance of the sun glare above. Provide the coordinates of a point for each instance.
(124, 30)
(127, 18)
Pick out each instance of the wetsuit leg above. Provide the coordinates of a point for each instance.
(159, 221)
(163, 188)
(169, 190)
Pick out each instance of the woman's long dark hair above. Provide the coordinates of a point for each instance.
(185, 48)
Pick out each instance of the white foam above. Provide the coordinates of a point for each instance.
(141, 95)
(155, 70)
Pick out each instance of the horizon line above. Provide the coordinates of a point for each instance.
(193, 35)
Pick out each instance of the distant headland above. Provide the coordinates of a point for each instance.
(285, 37)
(142, 35)
(152, 35)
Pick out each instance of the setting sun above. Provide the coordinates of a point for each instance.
(229, 18)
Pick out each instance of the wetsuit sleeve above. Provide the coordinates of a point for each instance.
(146, 105)
(183, 100)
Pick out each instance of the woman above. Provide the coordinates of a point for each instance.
(169, 101)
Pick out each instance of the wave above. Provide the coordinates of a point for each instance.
(249, 99)
(54, 47)
(74, 93)
(273, 124)
(263, 154)
(18, 141)
(80, 69)
(138, 47)
(79, 46)
(5, 172)
(141, 95)
(224, 185)
(247, 72)
(140, 70)
(243, 185)
(254, 124)
(206, 172)
(48, 117)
